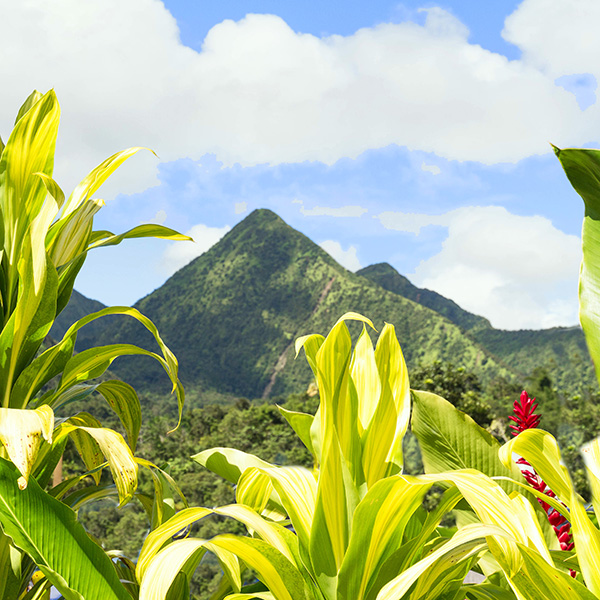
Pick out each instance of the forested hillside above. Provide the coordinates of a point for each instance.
(231, 316)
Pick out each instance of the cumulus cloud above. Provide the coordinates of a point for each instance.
(158, 219)
(240, 207)
(519, 272)
(347, 258)
(258, 92)
(558, 37)
(179, 254)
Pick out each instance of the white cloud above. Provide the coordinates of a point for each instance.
(519, 272)
(433, 169)
(179, 254)
(559, 37)
(240, 207)
(346, 258)
(159, 218)
(260, 92)
(329, 211)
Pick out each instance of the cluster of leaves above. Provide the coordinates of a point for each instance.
(44, 241)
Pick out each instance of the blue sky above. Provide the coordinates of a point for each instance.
(415, 133)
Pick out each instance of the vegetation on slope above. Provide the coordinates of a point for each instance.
(232, 315)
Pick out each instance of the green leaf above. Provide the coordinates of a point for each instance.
(9, 580)
(538, 580)
(377, 532)
(22, 432)
(48, 531)
(93, 362)
(540, 449)
(97, 443)
(123, 399)
(486, 591)
(280, 576)
(228, 462)
(449, 439)
(466, 543)
(92, 182)
(301, 424)
(30, 101)
(182, 556)
(582, 168)
(141, 231)
(337, 499)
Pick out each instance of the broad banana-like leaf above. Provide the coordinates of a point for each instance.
(450, 439)
(377, 531)
(582, 168)
(48, 531)
(22, 432)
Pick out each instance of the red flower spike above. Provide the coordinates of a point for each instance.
(525, 418)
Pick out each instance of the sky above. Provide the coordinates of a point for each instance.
(414, 133)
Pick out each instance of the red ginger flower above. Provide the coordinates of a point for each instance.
(525, 418)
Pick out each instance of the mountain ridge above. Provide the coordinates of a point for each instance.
(231, 316)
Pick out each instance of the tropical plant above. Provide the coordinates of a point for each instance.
(358, 528)
(44, 241)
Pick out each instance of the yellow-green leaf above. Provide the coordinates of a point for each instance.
(22, 432)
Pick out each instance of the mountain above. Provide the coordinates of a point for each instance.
(232, 315)
(387, 277)
(561, 351)
(78, 307)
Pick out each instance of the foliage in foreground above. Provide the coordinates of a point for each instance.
(44, 241)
